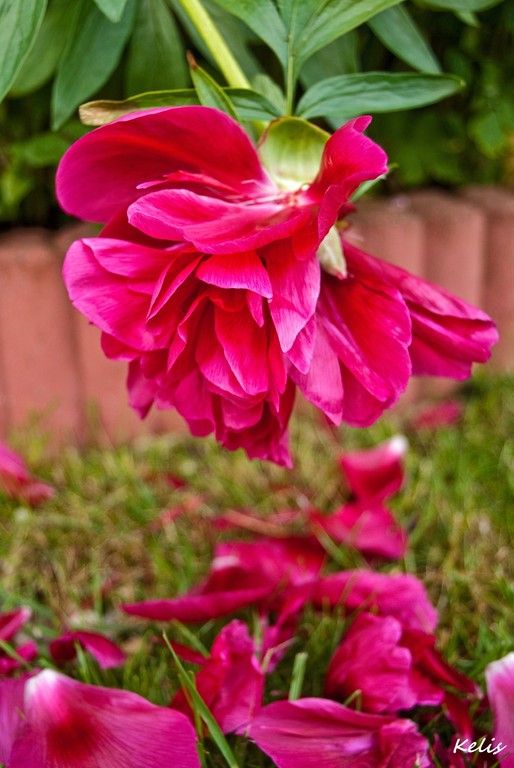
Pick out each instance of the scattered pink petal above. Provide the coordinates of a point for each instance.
(230, 681)
(499, 677)
(439, 415)
(16, 480)
(402, 596)
(376, 473)
(366, 526)
(13, 621)
(309, 733)
(106, 653)
(66, 724)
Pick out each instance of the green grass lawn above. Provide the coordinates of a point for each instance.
(109, 537)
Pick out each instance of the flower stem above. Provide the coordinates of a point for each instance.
(221, 54)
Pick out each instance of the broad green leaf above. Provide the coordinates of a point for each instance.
(264, 85)
(157, 58)
(249, 105)
(312, 24)
(41, 63)
(462, 5)
(40, 151)
(113, 9)
(210, 94)
(396, 29)
(262, 17)
(371, 92)
(93, 53)
(339, 58)
(19, 27)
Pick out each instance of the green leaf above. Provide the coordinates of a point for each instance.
(157, 58)
(94, 51)
(462, 5)
(113, 9)
(488, 134)
(271, 91)
(371, 92)
(41, 63)
(339, 58)
(396, 29)
(262, 17)
(40, 151)
(312, 24)
(19, 26)
(249, 105)
(210, 94)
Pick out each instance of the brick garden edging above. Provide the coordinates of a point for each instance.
(51, 363)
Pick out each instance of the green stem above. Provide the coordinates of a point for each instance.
(223, 57)
(290, 85)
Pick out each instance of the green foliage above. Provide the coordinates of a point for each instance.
(330, 60)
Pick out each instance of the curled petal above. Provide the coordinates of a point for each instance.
(106, 653)
(378, 472)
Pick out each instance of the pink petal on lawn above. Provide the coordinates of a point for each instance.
(237, 270)
(439, 415)
(499, 677)
(308, 733)
(230, 682)
(27, 651)
(12, 621)
(17, 482)
(106, 653)
(11, 706)
(296, 286)
(100, 173)
(212, 225)
(192, 608)
(366, 526)
(70, 724)
(399, 595)
(378, 472)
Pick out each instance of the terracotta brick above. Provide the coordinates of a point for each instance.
(36, 335)
(498, 205)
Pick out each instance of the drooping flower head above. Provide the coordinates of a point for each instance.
(222, 277)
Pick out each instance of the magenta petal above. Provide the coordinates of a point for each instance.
(245, 347)
(378, 472)
(236, 270)
(100, 173)
(367, 526)
(11, 706)
(70, 724)
(106, 653)
(211, 224)
(500, 689)
(399, 595)
(12, 621)
(309, 733)
(197, 607)
(296, 286)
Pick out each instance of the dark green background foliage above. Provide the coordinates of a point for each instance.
(328, 62)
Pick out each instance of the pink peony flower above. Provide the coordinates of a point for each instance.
(242, 573)
(230, 682)
(394, 669)
(308, 733)
(106, 653)
(16, 480)
(53, 721)
(500, 689)
(221, 278)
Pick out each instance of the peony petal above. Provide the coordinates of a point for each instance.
(307, 733)
(12, 621)
(100, 173)
(237, 270)
(70, 724)
(200, 608)
(213, 225)
(378, 472)
(366, 526)
(11, 705)
(296, 286)
(106, 653)
(399, 595)
(499, 677)
(245, 347)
